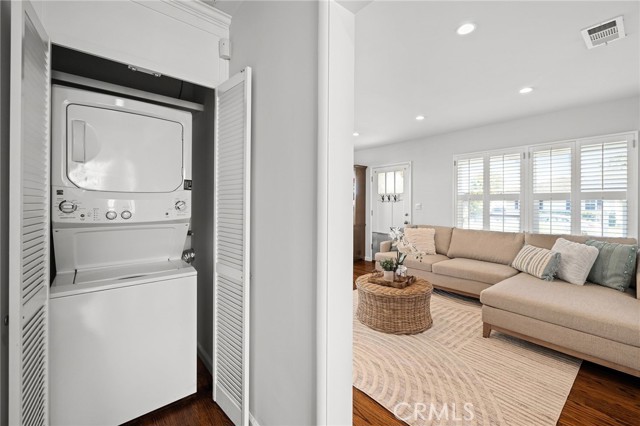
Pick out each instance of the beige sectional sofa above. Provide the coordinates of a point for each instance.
(592, 322)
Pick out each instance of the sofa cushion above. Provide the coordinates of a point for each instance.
(591, 308)
(537, 261)
(422, 239)
(490, 246)
(614, 265)
(412, 263)
(576, 260)
(475, 270)
(443, 237)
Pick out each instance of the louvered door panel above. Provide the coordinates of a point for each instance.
(28, 219)
(232, 207)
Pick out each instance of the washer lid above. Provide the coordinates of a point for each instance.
(118, 151)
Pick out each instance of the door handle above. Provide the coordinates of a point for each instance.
(78, 137)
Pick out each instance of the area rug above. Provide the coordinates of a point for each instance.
(451, 375)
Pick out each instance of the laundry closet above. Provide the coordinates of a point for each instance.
(128, 212)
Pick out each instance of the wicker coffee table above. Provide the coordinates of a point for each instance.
(394, 310)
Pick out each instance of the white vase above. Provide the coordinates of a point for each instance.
(388, 275)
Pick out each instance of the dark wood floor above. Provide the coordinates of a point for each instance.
(599, 397)
(195, 410)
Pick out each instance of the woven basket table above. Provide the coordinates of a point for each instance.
(394, 310)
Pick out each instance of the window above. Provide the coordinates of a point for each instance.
(551, 189)
(470, 193)
(588, 187)
(505, 183)
(488, 192)
(604, 184)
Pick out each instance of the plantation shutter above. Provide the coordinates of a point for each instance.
(551, 189)
(232, 239)
(505, 182)
(28, 218)
(470, 193)
(604, 185)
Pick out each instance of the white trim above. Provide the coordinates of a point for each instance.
(367, 258)
(253, 421)
(195, 13)
(322, 232)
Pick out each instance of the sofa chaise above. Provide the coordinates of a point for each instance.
(591, 322)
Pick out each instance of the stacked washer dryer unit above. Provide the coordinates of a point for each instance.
(122, 334)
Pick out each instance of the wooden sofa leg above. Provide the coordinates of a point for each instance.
(486, 329)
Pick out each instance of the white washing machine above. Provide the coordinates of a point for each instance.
(122, 338)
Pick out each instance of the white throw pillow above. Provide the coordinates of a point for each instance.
(576, 260)
(423, 239)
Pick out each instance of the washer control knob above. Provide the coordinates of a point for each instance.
(111, 215)
(126, 214)
(181, 206)
(67, 207)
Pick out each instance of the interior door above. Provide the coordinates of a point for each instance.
(390, 201)
(28, 218)
(231, 246)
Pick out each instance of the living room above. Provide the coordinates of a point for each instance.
(514, 129)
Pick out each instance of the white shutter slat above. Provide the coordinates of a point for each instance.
(505, 181)
(232, 237)
(29, 218)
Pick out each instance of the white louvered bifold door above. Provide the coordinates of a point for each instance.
(231, 235)
(28, 219)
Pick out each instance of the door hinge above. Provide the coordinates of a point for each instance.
(371, 246)
(371, 212)
(5, 321)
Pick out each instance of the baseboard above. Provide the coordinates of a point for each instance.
(205, 357)
(253, 421)
(367, 258)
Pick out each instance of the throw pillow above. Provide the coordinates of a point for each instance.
(536, 261)
(576, 260)
(423, 239)
(614, 265)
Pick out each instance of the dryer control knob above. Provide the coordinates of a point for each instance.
(111, 215)
(67, 207)
(181, 206)
(126, 214)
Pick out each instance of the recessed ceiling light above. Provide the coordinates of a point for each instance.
(420, 117)
(526, 90)
(465, 29)
(356, 134)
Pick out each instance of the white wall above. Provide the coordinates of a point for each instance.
(432, 157)
(4, 199)
(279, 40)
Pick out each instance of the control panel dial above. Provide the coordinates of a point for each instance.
(67, 206)
(111, 215)
(125, 214)
(181, 206)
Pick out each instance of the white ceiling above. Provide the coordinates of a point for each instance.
(410, 61)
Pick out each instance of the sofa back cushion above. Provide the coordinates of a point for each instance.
(547, 241)
(443, 237)
(496, 247)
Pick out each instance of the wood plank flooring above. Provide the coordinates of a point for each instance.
(599, 396)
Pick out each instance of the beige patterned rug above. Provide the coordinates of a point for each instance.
(451, 375)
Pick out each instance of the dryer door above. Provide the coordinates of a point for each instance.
(118, 151)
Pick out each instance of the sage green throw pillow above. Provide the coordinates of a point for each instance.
(614, 265)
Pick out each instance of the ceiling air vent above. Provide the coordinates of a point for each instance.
(604, 33)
